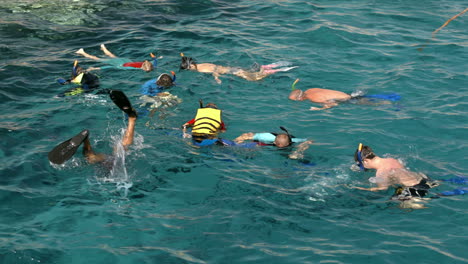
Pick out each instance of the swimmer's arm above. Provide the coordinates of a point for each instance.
(325, 106)
(372, 189)
(93, 69)
(299, 152)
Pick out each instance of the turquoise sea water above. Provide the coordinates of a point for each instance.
(169, 202)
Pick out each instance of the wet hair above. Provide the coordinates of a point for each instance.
(186, 63)
(282, 140)
(164, 80)
(211, 105)
(366, 153)
(147, 66)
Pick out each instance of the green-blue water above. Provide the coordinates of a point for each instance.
(228, 205)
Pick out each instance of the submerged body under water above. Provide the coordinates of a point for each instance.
(169, 201)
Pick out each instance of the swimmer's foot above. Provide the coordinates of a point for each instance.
(65, 150)
(276, 64)
(80, 51)
(271, 71)
(121, 100)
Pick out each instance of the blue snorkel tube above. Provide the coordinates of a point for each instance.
(359, 157)
(155, 60)
(62, 81)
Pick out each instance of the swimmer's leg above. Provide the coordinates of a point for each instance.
(89, 56)
(121, 100)
(276, 64)
(129, 132)
(90, 155)
(271, 71)
(107, 52)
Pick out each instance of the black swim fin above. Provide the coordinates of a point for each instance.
(65, 150)
(121, 100)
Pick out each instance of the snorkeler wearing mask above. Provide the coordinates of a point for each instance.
(330, 98)
(155, 86)
(391, 172)
(206, 125)
(86, 81)
(120, 63)
(217, 70)
(279, 140)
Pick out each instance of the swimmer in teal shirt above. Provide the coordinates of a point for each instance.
(280, 140)
(119, 63)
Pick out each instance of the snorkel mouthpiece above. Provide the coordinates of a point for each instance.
(359, 157)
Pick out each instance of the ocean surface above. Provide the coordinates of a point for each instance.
(168, 201)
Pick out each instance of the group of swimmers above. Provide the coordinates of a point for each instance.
(208, 123)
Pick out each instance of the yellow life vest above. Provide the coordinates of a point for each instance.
(207, 121)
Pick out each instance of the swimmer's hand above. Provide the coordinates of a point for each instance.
(243, 137)
(313, 108)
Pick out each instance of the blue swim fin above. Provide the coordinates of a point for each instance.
(389, 96)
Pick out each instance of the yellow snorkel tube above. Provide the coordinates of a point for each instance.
(359, 157)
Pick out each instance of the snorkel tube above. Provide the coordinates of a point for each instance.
(173, 76)
(359, 157)
(287, 133)
(74, 68)
(155, 60)
(293, 86)
(62, 81)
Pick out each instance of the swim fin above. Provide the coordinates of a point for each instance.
(121, 100)
(65, 150)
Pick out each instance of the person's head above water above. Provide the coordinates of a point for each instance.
(147, 66)
(282, 140)
(187, 63)
(296, 95)
(165, 80)
(211, 105)
(362, 154)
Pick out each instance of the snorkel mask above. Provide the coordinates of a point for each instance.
(75, 77)
(186, 62)
(359, 157)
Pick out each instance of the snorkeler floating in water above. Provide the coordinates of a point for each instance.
(280, 140)
(410, 187)
(330, 98)
(155, 86)
(206, 125)
(65, 150)
(86, 81)
(217, 70)
(120, 63)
